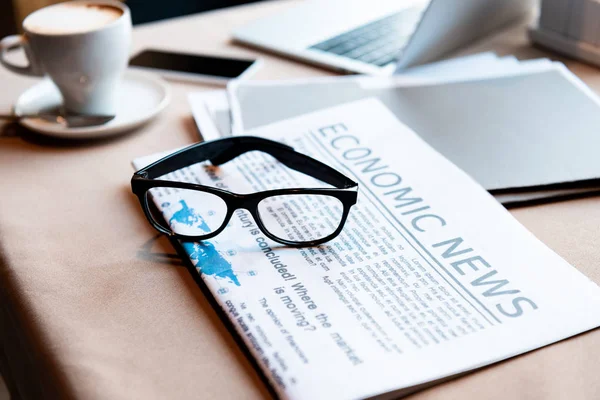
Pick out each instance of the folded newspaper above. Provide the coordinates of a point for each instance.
(430, 278)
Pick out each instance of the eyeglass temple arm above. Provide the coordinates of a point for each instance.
(224, 150)
(287, 156)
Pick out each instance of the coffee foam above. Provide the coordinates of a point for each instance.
(68, 18)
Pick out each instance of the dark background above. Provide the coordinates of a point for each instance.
(142, 11)
(7, 19)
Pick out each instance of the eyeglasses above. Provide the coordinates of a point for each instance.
(294, 217)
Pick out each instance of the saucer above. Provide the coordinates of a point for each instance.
(141, 96)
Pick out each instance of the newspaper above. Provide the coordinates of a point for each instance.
(430, 278)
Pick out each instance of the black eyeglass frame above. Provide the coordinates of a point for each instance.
(221, 151)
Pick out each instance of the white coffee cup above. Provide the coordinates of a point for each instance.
(83, 46)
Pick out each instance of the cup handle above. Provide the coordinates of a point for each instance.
(12, 42)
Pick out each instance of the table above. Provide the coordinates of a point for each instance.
(91, 307)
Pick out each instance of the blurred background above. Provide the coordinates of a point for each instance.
(12, 12)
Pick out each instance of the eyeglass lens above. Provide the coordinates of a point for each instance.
(301, 217)
(188, 212)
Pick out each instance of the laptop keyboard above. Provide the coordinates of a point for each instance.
(379, 42)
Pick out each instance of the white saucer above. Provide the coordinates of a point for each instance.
(141, 96)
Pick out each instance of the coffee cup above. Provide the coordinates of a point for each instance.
(82, 46)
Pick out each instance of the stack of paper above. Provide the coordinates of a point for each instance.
(526, 131)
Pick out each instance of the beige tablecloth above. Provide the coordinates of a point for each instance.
(92, 308)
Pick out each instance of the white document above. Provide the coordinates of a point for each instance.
(257, 103)
(430, 277)
(212, 113)
(503, 131)
(310, 94)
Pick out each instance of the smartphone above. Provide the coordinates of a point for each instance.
(194, 67)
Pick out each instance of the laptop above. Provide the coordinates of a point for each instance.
(378, 37)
